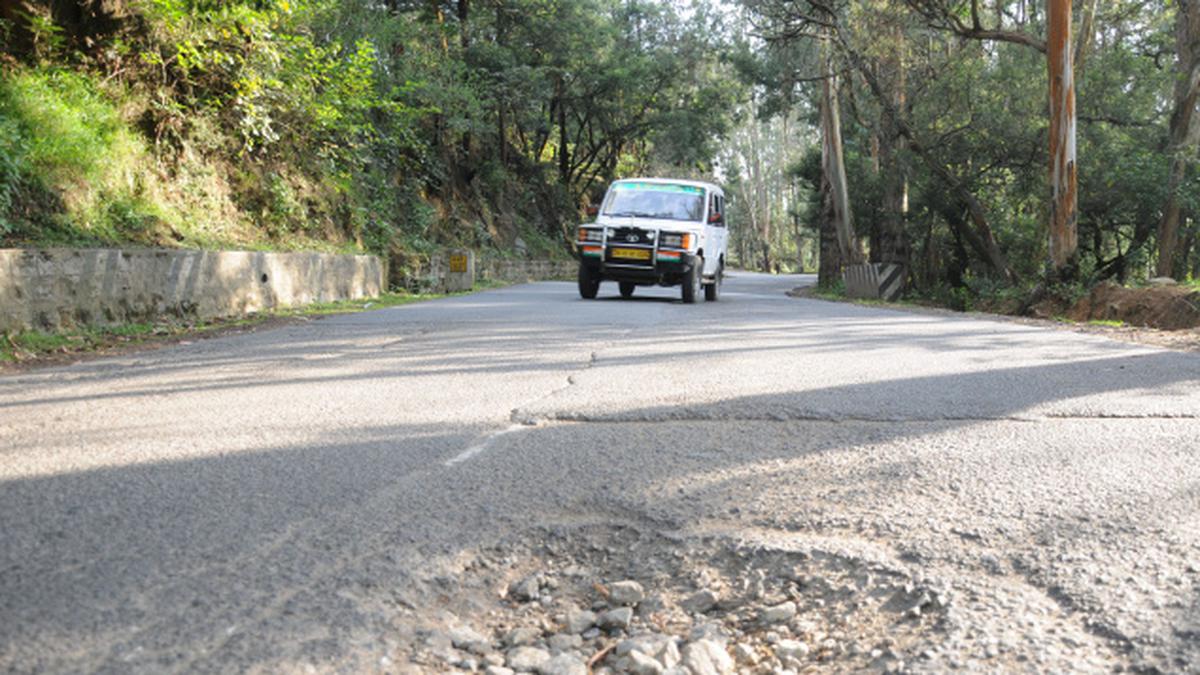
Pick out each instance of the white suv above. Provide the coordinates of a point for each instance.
(656, 231)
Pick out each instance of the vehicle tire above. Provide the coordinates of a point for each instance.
(712, 291)
(627, 289)
(589, 282)
(693, 281)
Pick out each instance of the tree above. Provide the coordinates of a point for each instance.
(1064, 212)
(1184, 132)
(833, 162)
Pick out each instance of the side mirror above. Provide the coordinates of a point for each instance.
(593, 209)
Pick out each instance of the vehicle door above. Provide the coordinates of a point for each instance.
(715, 232)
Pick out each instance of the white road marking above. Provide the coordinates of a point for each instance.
(483, 445)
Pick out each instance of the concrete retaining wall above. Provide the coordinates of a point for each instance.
(48, 288)
(497, 269)
(526, 270)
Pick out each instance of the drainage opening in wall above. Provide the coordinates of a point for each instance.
(263, 278)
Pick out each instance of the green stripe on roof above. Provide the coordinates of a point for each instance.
(659, 187)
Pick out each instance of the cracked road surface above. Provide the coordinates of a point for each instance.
(280, 500)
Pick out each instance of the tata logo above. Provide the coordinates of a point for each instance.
(631, 238)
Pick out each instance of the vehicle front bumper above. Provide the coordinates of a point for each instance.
(664, 269)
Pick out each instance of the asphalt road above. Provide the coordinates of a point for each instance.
(261, 501)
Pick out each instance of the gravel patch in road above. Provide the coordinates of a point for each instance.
(781, 604)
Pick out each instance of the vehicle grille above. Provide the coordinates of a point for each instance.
(630, 235)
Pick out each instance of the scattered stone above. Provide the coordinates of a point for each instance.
(641, 664)
(525, 590)
(591, 634)
(564, 643)
(563, 664)
(745, 654)
(651, 604)
(668, 654)
(708, 631)
(615, 619)
(779, 613)
(626, 593)
(707, 657)
(498, 670)
(791, 652)
(465, 637)
(700, 602)
(579, 621)
(523, 635)
(526, 659)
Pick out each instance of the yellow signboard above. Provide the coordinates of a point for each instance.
(458, 263)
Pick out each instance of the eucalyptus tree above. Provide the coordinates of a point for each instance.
(1183, 134)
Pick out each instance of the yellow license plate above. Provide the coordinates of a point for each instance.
(631, 253)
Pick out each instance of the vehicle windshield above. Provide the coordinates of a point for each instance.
(655, 200)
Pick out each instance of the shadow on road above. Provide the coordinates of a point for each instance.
(271, 555)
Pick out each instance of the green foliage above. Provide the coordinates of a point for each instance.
(63, 129)
(60, 135)
(390, 127)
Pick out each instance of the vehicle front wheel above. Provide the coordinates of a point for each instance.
(589, 282)
(627, 289)
(712, 291)
(693, 281)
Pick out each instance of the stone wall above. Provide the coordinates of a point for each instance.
(519, 271)
(49, 288)
(510, 270)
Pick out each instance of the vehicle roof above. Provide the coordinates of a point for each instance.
(673, 181)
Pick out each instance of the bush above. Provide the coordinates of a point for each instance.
(59, 134)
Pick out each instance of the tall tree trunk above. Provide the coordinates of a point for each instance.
(833, 164)
(893, 239)
(1064, 238)
(1184, 128)
(829, 262)
(1085, 36)
(1185, 254)
(463, 10)
(564, 159)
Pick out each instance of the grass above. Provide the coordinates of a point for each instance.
(34, 346)
(76, 171)
(1106, 322)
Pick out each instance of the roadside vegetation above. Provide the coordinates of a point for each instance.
(915, 132)
(389, 127)
(930, 146)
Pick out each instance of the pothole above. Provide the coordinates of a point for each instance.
(614, 599)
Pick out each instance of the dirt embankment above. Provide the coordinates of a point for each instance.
(1166, 307)
(1164, 316)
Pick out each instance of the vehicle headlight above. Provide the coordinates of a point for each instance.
(589, 234)
(675, 240)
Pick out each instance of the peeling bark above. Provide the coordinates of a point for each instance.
(1064, 214)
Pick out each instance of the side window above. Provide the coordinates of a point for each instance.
(719, 208)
